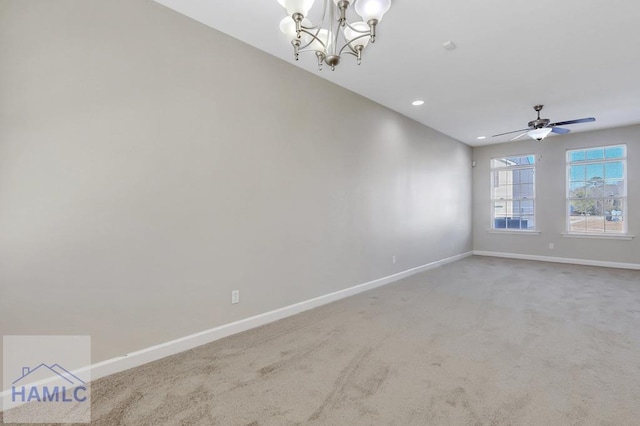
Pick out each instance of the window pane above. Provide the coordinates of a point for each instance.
(614, 204)
(595, 154)
(497, 163)
(526, 190)
(516, 192)
(529, 159)
(594, 171)
(503, 192)
(508, 209)
(526, 176)
(598, 210)
(595, 188)
(504, 177)
(515, 177)
(577, 190)
(527, 222)
(515, 212)
(576, 156)
(514, 223)
(577, 173)
(595, 223)
(581, 207)
(617, 226)
(500, 215)
(500, 210)
(614, 152)
(512, 161)
(526, 208)
(614, 187)
(614, 170)
(577, 219)
(614, 221)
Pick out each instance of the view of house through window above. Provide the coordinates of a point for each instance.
(596, 190)
(513, 192)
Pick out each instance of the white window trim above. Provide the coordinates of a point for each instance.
(598, 236)
(624, 235)
(514, 231)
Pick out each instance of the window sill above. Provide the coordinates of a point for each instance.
(513, 231)
(626, 237)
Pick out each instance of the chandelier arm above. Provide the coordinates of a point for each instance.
(357, 53)
(349, 53)
(348, 44)
(314, 37)
(318, 27)
(368, 31)
(307, 51)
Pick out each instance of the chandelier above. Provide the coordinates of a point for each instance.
(333, 36)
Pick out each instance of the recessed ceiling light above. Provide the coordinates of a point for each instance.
(417, 103)
(481, 138)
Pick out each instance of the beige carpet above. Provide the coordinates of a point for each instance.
(482, 341)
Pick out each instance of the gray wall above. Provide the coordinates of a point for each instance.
(551, 199)
(149, 165)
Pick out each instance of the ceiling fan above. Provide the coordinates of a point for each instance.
(541, 127)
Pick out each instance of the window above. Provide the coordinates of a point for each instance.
(513, 192)
(597, 190)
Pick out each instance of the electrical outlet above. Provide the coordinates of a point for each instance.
(551, 245)
(235, 296)
(393, 259)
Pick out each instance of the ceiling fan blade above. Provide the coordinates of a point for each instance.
(519, 136)
(579, 120)
(560, 130)
(513, 131)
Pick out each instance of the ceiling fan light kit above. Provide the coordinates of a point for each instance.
(334, 35)
(539, 134)
(540, 128)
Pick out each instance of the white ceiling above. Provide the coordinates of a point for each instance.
(580, 58)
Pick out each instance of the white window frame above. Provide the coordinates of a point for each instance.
(623, 197)
(493, 198)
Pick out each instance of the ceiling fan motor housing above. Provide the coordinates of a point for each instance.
(539, 123)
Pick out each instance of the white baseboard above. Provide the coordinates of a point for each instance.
(587, 262)
(153, 353)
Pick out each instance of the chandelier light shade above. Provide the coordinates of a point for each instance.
(354, 31)
(333, 35)
(372, 9)
(297, 6)
(539, 134)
